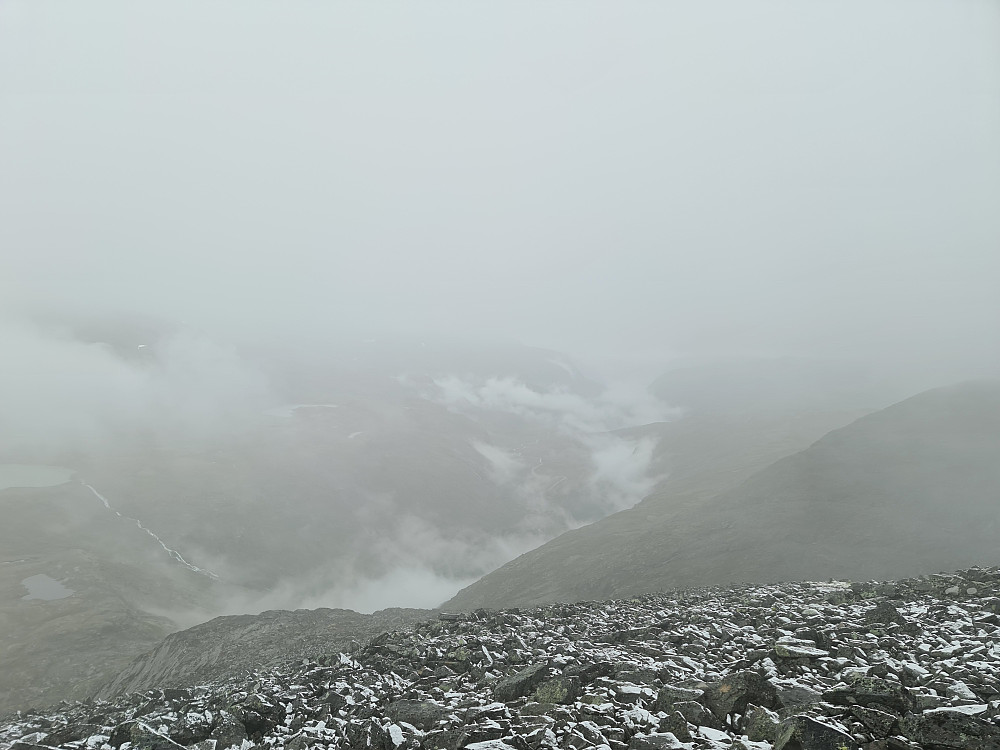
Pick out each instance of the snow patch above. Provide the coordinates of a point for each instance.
(172, 552)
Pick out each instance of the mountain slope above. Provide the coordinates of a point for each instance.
(909, 489)
(230, 646)
(108, 579)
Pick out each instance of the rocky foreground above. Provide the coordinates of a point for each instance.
(237, 644)
(815, 666)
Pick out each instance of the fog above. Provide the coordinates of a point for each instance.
(476, 234)
(672, 180)
(61, 393)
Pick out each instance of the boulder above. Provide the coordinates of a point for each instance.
(70, 733)
(884, 613)
(522, 683)
(872, 691)
(880, 723)
(805, 733)
(695, 713)
(655, 741)
(734, 692)
(258, 715)
(558, 690)
(760, 724)
(144, 737)
(795, 697)
(190, 728)
(228, 731)
(797, 648)
(668, 695)
(590, 672)
(948, 728)
(422, 714)
(677, 725)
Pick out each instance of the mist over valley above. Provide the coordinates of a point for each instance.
(326, 331)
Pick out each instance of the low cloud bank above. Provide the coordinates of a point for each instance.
(620, 405)
(622, 469)
(620, 473)
(418, 566)
(59, 393)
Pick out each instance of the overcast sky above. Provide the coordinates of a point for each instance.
(683, 177)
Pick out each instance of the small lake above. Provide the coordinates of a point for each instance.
(45, 588)
(33, 475)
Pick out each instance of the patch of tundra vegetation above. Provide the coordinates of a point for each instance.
(808, 666)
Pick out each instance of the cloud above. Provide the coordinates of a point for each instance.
(643, 179)
(622, 469)
(620, 473)
(60, 393)
(504, 465)
(417, 566)
(618, 406)
(415, 586)
(402, 587)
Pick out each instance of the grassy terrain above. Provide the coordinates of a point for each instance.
(65, 648)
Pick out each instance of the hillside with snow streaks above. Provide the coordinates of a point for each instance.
(174, 554)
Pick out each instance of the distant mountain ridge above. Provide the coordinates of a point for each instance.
(910, 489)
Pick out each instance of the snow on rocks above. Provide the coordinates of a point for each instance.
(879, 666)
